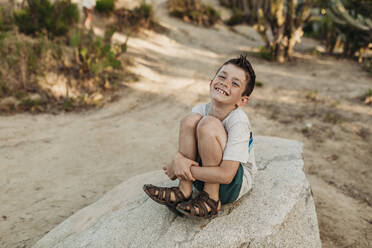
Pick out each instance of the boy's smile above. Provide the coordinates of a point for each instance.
(228, 86)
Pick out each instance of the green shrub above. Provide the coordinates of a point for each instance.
(265, 53)
(22, 60)
(94, 54)
(145, 10)
(367, 64)
(194, 11)
(105, 6)
(236, 18)
(133, 20)
(6, 19)
(43, 16)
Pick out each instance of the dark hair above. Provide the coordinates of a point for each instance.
(250, 76)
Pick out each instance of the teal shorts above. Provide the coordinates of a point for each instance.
(228, 192)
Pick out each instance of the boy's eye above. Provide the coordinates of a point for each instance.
(220, 76)
(235, 84)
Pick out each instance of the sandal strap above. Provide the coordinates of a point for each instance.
(168, 194)
(203, 210)
(200, 202)
(161, 192)
(178, 194)
(165, 193)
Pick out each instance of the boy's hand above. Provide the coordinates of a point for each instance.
(168, 170)
(182, 167)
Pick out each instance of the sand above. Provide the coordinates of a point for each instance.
(53, 165)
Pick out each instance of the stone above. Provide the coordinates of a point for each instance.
(35, 97)
(278, 212)
(9, 101)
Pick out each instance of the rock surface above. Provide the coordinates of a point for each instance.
(279, 212)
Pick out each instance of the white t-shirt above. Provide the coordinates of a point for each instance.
(239, 146)
(89, 4)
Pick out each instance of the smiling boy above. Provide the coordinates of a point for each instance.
(215, 147)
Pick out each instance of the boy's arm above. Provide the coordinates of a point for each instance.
(180, 168)
(222, 174)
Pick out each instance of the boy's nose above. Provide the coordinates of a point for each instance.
(225, 82)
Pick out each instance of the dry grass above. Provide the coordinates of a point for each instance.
(194, 11)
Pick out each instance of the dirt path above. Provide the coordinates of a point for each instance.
(52, 166)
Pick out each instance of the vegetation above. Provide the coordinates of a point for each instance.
(352, 21)
(6, 20)
(236, 18)
(278, 22)
(39, 74)
(94, 54)
(39, 16)
(105, 6)
(22, 60)
(194, 11)
(367, 97)
(133, 20)
(243, 11)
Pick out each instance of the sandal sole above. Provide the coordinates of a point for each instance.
(171, 207)
(189, 215)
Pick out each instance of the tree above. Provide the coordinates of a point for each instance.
(284, 19)
(279, 22)
(352, 22)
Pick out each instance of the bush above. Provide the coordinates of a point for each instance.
(94, 54)
(236, 18)
(6, 20)
(367, 65)
(265, 53)
(194, 11)
(42, 16)
(22, 60)
(40, 75)
(105, 6)
(133, 20)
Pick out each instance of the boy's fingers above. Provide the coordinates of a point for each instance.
(193, 163)
(189, 176)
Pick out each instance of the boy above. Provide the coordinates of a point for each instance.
(88, 6)
(219, 136)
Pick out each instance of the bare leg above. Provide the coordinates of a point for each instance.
(187, 145)
(212, 140)
(88, 14)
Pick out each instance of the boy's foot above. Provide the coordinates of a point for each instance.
(201, 206)
(169, 196)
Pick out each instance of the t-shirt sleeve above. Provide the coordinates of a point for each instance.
(200, 108)
(237, 147)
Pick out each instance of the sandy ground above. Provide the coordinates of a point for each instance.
(52, 166)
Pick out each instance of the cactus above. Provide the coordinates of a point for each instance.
(351, 21)
(95, 54)
(341, 16)
(282, 18)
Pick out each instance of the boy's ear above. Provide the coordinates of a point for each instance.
(243, 101)
(210, 83)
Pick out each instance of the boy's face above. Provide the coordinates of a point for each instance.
(228, 86)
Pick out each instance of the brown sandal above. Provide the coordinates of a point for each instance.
(199, 202)
(164, 196)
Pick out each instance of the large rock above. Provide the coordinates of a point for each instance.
(279, 212)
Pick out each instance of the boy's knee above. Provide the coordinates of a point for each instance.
(191, 120)
(210, 126)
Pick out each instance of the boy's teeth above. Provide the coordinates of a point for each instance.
(222, 92)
